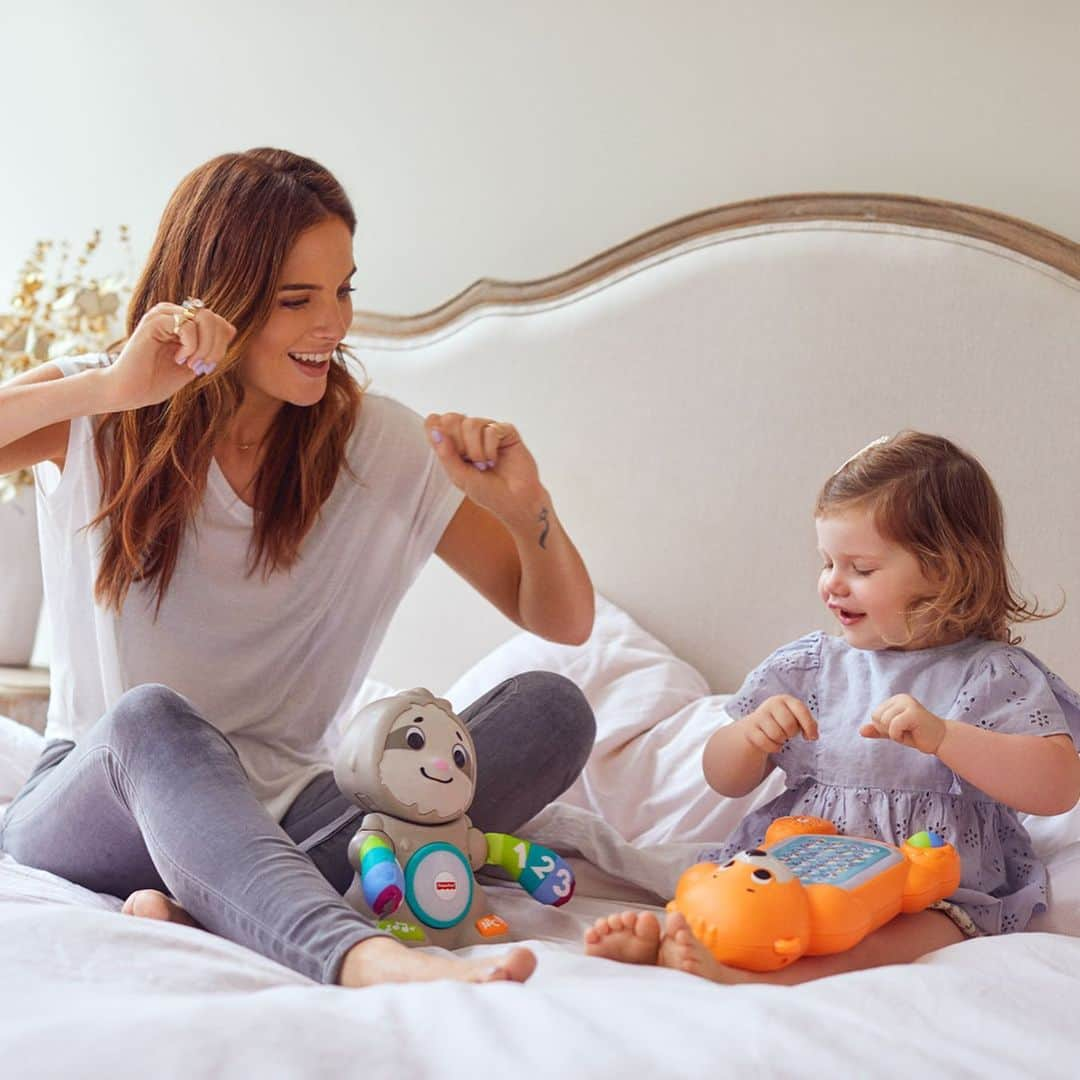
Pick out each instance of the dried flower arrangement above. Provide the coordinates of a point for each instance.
(56, 312)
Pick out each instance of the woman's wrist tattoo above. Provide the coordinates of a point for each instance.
(543, 519)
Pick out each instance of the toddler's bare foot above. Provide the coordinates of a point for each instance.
(630, 936)
(384, 960)
(679, 949)
(151, 904)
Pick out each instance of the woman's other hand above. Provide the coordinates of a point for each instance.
(489, 462)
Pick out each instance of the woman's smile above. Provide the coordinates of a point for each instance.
(313, 365)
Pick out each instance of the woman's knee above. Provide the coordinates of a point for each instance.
(567, 716)
(153, 714)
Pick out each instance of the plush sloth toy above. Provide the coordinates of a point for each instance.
(409, 761)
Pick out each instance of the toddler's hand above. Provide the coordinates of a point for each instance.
(904, 720)
(776, 720)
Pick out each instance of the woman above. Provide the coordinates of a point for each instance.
(254, 517)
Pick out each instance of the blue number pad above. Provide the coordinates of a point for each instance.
(833, 860)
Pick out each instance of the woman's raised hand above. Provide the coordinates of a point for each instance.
(489, 462)
(171, 346)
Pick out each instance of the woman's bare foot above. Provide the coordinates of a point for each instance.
(151, 904)
(679, 949)
(384, 960)
(630, 936)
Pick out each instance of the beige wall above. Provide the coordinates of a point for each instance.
(513, 139)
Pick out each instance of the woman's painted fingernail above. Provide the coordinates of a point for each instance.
(491, 464)
(436, 436)
(210, 368)
(480, 465)
(181, 361)
(202, 368)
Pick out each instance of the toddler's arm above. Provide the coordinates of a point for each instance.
(736, 758)
(1035, 774)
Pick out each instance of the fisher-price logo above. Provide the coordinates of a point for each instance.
(445, 885)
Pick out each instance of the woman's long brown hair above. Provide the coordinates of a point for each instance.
(223, 237)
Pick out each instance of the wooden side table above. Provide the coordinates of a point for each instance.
(24, 695)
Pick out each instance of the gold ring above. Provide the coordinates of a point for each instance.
(500, 431)
(180, 318)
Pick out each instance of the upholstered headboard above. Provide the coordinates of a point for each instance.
(687, 392)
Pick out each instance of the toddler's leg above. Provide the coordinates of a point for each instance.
(632, 937)
(635, 937)
(901, 941)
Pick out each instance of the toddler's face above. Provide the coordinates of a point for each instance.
(868, 582)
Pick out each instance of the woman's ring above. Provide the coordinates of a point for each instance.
(500, 431)
(180, 318)
(193, 304)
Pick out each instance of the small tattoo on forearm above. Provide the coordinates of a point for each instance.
(543, 518)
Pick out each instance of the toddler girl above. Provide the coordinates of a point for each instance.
(921, 714)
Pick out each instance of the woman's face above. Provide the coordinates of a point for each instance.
(288, 359)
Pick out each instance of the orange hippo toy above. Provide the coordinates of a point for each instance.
(809, 891)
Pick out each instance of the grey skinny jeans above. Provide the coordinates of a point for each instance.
(154, 797)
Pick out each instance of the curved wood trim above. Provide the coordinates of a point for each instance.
(1008, 232)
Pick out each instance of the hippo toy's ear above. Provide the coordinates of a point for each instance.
(791, 946)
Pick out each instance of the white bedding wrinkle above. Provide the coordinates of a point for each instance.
(184, 1003)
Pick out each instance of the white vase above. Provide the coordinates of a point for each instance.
(20, 579)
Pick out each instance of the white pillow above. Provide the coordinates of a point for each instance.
(654, 713)
(20, 747)
(1063, 909)
(1050, 834)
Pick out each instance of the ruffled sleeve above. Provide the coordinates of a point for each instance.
(1014, 693)
(792, 669)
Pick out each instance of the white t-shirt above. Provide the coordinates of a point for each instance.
(269, 662)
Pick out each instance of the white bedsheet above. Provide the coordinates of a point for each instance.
(85, 992)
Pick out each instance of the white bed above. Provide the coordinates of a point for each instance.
(685, 394)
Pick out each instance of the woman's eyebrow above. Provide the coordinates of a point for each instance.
(298, 287)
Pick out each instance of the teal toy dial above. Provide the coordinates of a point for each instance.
(439, 885)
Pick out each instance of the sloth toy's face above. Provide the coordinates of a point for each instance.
(428, 762)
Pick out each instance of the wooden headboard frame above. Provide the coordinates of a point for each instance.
(1008, 232)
